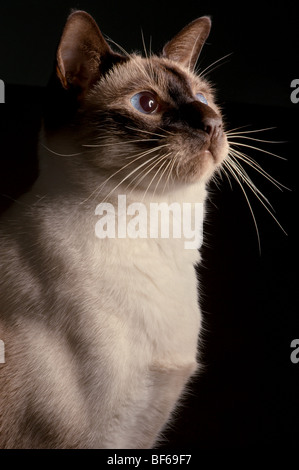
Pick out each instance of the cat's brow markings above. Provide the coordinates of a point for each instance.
(178, 85)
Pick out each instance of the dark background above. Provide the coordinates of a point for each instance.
(247, 395)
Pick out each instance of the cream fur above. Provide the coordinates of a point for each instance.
(106, 330)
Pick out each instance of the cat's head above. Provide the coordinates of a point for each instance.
(148, 122)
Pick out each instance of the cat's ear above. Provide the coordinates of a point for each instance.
(83, 54)
(185, 47)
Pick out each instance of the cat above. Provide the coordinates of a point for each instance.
(101, 334)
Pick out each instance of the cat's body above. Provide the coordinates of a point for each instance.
(101, 334)
(90, 336)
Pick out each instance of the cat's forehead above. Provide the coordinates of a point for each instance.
(174, 78)
(159, 74)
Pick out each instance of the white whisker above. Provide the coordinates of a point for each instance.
(144, 131)
(161, 176)
(147, 170)
(229, 164)
(174, 161)
(128, 176)
(257, 148)
(118, 46)
(244, 175)
(164, 158)
(113, 144)
(238, 172)
(138, 157)
(249, 131)
(246, 159)
(61, 154)
(158, 147)
(164, 161)
(237, 136)
(227, 176)
(167, 179)
(209, 67)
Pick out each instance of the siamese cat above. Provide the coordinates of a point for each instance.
(101, 334)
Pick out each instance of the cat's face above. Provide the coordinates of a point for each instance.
(150, 123)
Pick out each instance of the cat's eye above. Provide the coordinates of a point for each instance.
(201, 98)
(145, 102)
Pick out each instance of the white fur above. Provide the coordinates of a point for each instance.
(107, 329)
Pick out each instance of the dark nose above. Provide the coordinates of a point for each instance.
(200, 116)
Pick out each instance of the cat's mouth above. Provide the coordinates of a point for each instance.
(208, 154)
(218, 148)
(197, 158)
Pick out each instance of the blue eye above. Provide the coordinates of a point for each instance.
(145, 102)
(201, 98)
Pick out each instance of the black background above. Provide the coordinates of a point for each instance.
(247, 395)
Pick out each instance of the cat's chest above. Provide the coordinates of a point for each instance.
(143, 330)
(150, 289)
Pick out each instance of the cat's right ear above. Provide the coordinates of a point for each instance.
(186, 46)
(83, 55)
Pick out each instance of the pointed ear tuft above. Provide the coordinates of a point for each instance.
(83, 54)
(185, 47)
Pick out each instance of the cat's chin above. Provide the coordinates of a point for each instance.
(202, 167)
(208, 154)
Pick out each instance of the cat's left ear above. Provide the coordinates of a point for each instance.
(186, 46)
(83, 54)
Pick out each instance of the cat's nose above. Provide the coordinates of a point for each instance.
(200, 116)
(211, 124)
